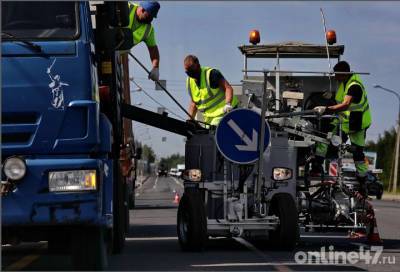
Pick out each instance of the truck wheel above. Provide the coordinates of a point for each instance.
(126, 207)
(132, 200)
(58, 243)
(379, 195)
(286, 235)
(88, 249)
(119, 213)
(192, 222)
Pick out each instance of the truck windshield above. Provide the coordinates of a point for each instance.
(39, 20)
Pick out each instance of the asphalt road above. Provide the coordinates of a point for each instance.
(152, 244)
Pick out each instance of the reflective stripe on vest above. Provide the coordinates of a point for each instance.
(137, 28)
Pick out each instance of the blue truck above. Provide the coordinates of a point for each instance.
(67, 153)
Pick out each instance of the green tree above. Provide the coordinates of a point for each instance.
(172, 160)
(384, 147)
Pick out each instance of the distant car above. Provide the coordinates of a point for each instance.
(374, 185)
(180, 173)
(180, 169)
(173, 172)
(162, 172)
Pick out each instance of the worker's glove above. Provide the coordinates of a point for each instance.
(327, 95)
(228, 107)
(154, 74)
(319, 110)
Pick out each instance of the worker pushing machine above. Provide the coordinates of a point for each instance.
(209, 91)
(354, 113)
(140, 18)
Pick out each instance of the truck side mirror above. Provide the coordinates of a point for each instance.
(118, 13)
(124, 39)
(114, 39)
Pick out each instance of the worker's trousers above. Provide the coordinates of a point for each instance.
(357, 140)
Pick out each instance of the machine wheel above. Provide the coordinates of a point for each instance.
(285, 237)
(192, 222)
(88, 249)
(119, 213)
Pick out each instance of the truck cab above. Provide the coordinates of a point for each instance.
(63, 150)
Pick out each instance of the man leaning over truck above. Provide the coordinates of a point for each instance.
(209, 91)
(354, 113)
(140, 18)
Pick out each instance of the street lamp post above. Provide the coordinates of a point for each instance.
(396, 160)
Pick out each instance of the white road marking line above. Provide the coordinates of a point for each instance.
(177, 181)
(249, 246)
(155, 183)
(151, 238)
(277, 266)
(24, 261)
(254, 264)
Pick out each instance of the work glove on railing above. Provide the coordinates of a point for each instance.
(319, 110)
(154, 74)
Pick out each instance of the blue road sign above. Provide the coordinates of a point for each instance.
(237, 136)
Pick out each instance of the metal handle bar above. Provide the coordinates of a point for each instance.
(305, 72)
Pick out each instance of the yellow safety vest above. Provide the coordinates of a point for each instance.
(349, 125)
(209, 101)
(140, 31)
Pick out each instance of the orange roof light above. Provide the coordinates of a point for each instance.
(254, 37)
(331, 37)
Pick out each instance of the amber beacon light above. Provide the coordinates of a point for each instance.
(331, 37)
(254, 37)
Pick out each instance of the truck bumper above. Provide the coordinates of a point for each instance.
(31, 204)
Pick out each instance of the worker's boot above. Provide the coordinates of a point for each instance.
(316, 166)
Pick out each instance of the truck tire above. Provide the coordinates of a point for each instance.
(88, 249)
(119, 213)
(58, 243)
(192, 222)
(286, 236)
(126, 208)
(131, 197)
(132, 200)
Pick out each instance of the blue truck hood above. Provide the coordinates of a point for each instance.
(47, 99)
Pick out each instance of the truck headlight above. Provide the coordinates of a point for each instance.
(14, 168)
(73, 180)
(281, 173)
(192, 175)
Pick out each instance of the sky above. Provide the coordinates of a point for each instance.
(370, 31)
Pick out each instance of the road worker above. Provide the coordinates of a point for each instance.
(209, 91)
(354, 113)
(140, 18)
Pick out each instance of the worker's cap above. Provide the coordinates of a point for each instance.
(151, 7)
(342, 66)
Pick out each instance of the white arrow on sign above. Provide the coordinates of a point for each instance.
(251, 145)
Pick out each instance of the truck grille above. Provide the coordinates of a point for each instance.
(18, 128)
